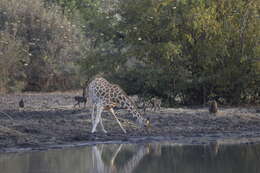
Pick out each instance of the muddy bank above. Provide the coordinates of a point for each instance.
(49, 119)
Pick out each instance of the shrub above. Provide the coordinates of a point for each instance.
(12, 56)
(52, 43)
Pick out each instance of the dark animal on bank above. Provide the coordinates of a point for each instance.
(21, 103)
(156, 104)
(213, 107)
(80, 99)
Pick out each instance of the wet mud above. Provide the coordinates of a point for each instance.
(50, 119)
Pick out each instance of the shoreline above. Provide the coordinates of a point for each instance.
(50, 120)
(180, 141)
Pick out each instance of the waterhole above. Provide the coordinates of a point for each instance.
(165, 157)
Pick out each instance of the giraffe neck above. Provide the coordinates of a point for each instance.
(126, 103)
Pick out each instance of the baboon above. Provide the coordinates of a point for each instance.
(145, 105)
(21, 103)
(213, 107)
(80, 99)
(156, 104)
(142, 103)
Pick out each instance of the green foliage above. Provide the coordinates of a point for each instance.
(183, 51)
(186, 52)
(104, 55)
(51, 42)
(204, 49)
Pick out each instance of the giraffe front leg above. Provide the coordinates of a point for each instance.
(97, 119)
(112, 111)
(115, 155)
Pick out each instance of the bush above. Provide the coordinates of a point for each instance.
(12, 56)
(52, 43)
(203, 49)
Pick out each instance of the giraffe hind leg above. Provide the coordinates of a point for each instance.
(97, 118)
(76, 104)
(93, 114)
(102, 126)
(112, 111)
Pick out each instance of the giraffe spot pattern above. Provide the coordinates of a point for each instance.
(111, 95)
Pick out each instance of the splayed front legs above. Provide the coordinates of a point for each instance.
(112, 111)
(98, 119)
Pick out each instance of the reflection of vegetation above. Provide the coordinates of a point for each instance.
(66, 161)
(185, 159)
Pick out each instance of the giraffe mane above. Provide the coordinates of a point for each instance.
(92, 78)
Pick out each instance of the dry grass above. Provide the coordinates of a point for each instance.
(41, 43)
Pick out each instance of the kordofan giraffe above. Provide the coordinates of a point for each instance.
(105, 96)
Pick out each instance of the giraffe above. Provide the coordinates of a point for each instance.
(105, 96)
(99, 165)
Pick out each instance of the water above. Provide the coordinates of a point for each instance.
(144, 158)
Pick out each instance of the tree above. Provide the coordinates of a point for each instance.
(51, 41)
(204, 48)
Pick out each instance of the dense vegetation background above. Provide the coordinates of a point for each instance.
(184, 51)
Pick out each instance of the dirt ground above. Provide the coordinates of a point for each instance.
(50, 119)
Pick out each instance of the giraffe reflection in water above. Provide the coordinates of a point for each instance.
(217, 156)
(99, 165)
